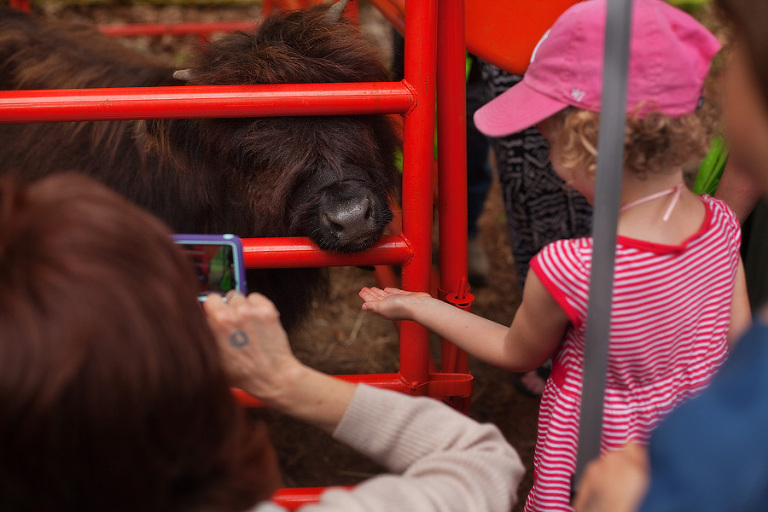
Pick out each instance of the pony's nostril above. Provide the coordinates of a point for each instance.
(350, 219)
(333, 224)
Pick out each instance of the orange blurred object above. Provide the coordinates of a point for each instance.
(505, 32)
(502, 32)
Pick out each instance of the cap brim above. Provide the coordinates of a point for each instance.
(515, 110)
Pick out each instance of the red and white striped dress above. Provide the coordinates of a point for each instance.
(671, 313)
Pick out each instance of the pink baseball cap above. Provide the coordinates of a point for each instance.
(670, 55)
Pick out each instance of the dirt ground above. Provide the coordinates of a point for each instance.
(339, 338)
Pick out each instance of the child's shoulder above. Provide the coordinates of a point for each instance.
(564, 267)
(573, 252)
(720, 214)
(570, 245)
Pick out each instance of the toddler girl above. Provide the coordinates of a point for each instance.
(679, 291)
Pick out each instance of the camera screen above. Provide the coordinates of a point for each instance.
(214, 266)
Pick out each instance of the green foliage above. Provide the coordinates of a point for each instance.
(711, 168)
(691, 6)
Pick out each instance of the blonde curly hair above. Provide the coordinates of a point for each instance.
(653, 143)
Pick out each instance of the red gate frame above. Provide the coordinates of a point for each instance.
(434, 75)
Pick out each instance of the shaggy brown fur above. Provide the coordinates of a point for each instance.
(323, 177)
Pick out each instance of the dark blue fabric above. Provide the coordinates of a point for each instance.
(711, 454)
(479, 174)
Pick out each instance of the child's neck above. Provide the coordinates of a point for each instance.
(635, 188)
(667, 219)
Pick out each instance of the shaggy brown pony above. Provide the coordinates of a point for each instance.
(324, 177)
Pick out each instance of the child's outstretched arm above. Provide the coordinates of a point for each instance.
(536, 330)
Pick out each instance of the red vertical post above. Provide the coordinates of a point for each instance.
(452, 167)
(352, 12)
(418, 148)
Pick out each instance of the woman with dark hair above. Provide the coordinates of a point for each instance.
(112, 391)
(711, 454)
(114, 394)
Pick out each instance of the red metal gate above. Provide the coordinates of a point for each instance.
(434, 74)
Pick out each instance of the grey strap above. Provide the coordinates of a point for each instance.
(610, 163)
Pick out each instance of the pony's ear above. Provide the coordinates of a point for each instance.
(336, 10)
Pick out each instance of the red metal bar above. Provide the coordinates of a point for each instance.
(295, 498)
(205, 101)
(452, 167)
(418, 147)
(291, 252)
(352, 12)
(176, 29)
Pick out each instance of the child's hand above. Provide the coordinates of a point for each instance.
(392, 303)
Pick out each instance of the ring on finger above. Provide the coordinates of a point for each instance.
(231, 294)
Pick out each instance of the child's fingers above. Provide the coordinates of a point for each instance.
(372, 298)
(369, 304)
(396, 291)
(372, 293)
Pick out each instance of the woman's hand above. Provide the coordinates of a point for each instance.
(254, 345)
(259, 359)
(392, 303)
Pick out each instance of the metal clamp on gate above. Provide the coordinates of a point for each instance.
(462, 299)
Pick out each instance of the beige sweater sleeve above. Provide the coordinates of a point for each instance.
(440, 460)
